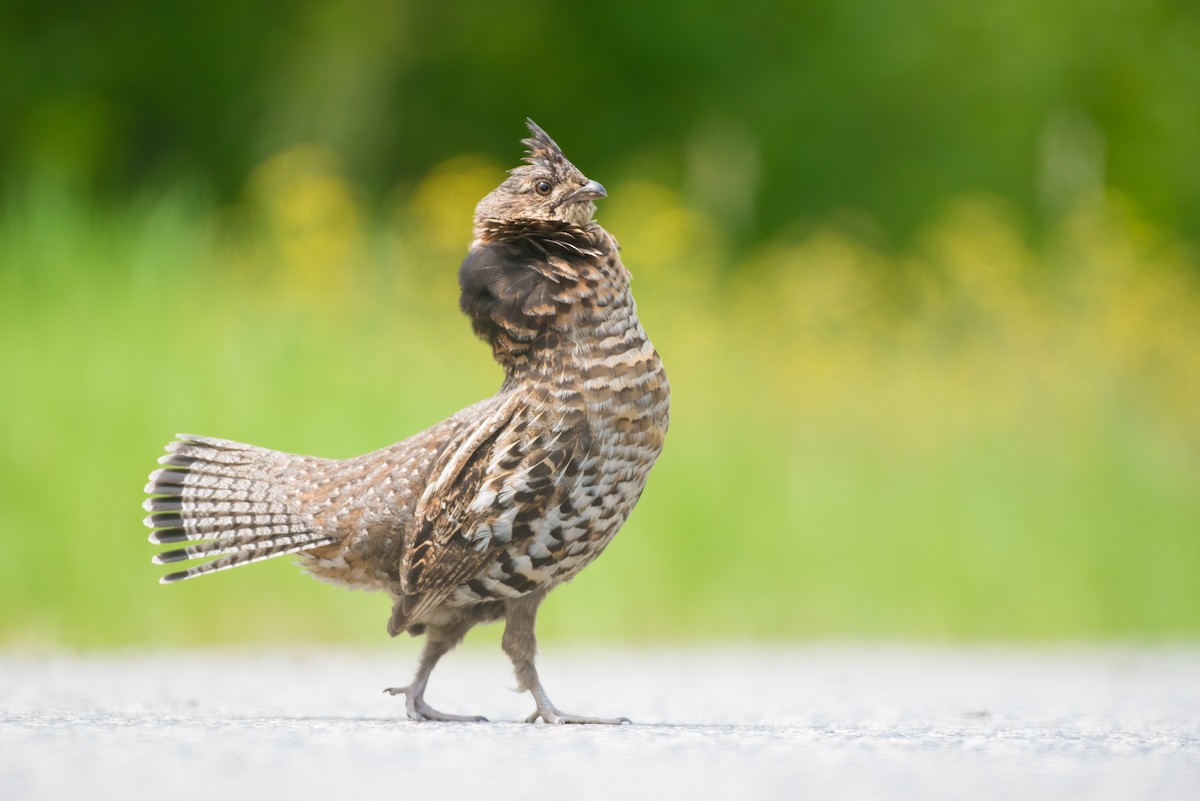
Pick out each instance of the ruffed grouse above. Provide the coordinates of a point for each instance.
(478, 517)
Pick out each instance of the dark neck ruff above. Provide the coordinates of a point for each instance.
(520, 276)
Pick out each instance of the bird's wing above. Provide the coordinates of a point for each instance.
(488, 486)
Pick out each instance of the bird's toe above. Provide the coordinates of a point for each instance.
(558, 718)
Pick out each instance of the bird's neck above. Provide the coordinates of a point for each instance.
(556, 308)
(543, 294)
(582, 340)
(602, 365)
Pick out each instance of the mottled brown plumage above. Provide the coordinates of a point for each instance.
(478, 517)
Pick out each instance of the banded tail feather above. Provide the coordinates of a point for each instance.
(229, 498)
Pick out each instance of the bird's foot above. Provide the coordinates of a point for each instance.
(417, 709)
(551, 714)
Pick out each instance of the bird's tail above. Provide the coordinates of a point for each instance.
(238, 503)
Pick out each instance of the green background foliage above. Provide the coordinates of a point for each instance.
(923, 276)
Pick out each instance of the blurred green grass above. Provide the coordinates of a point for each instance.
(982, 437)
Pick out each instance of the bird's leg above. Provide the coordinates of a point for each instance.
(521, 646)
(438, 642)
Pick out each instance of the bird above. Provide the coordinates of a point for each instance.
(477, 518)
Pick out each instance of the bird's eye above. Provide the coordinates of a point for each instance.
(542, 187)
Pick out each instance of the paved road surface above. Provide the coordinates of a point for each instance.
(837, 722)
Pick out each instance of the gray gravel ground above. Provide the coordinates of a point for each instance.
(836, 721)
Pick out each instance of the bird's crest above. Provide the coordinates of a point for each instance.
(543, 151)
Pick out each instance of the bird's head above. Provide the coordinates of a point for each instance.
(547, 187)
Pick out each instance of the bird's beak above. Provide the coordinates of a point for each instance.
(592, 190)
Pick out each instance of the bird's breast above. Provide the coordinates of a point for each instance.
(622, 392)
